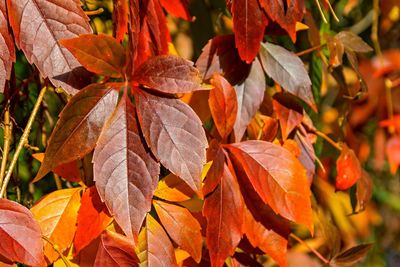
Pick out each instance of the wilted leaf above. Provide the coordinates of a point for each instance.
(287, 70)
(93, 218)
(223, 105)
(120, 18)
(56, 214)
(101, 54)
(79, 126)
(21, 238)
(115, 250)
(224, 212)
(353, 42)
(250, 94)
(154, 247)
(178, 8)
(175, 135)
(126, 174)
(69, 171)
(38, 25)
(351, 256)
(393, 153)
(7, 50)
(249, 22)
(348, 169)
(181, 226)
(173, 188)
(278, 177)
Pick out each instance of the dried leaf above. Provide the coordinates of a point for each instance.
(79, 126)
(7, 50)
(175, 136)
(126, 174)
(101, 54)
(181, 226)
(56, 214)
(38, 25)
(351, 256)
(21, 238)
(353, 42)
(348, 169)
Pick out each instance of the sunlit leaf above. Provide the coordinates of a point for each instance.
(173, 188)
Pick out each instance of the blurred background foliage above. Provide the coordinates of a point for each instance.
(356, 121)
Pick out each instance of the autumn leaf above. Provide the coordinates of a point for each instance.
(181, 226)
(353, 42)
(392, 153)
(288, 117)
(69, 171)
(172, 188)
(100, 54)
(213, 177)
(121, 18)
(79, 126)
(115, 250)
(126, 174)
(178, 8)
(7, 54)
(223, 105)
(348, 169)
(93, 218)
(174, 134)
(52, 21)
(154, 247)
(351, 256)
(56, 214)
(224, 212)
(21, 238)
(288, 71)
(278, 177)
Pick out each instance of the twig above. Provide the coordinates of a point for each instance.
(374, 32)
(94, 12)
(22, 141)
(309, 50)
(316, 253)
(7, 142)
(329, 140)
(55, 247)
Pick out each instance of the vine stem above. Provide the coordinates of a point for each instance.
(7, 142)
(22, 141)
(329, 140)
(309, 50)
(55, 247)
(316, 253)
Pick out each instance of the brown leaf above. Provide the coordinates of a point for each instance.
(278, 177)
(175, 135)
(348, 169)
(154, 247)
(21, 238)
(7, 50)
(56, 214)
(101, 54)
(79, 126)
(126, 174)
(250, 94)
(351, 256)
(38, 25)
(173, 188)
(181, 226)
(169, 74)
(353, 42)
(287, 69)
(115, 250)
(93, 218)
(249, 22)
(223, 105)
(224, 212)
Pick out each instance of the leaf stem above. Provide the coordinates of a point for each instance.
(7, 142)
(55, 247)
(316, 253)
(22, 141)
(309, 50)
(329, 140)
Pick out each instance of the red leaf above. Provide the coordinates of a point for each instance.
(115, 250)
(175, 135)
(93, 218)
(278, 177)
(120, 19)
(250, 94)
(79, 126)
(182, 227)
(223, 105)
(21, 238)
(393, 153)
(348, 169)
(287, 70)
(249, 22)
(38, 25)
(101, 54)
(7, 50)
(169, 74)
(215, 173)
(224, 212)
(178, 8)
(126, 174)
(288, 118)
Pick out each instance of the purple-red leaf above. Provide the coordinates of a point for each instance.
(21, 238)
(175, 135)
(126, 174)
(38, 25)
(7, 50)
(79, 126)
(169, 74)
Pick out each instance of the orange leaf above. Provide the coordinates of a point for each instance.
(288, 118)
(178, 8)
(56, 214)
(173, 188)
(183, 228)
(69, 171)
(348, 169)
(393, 153)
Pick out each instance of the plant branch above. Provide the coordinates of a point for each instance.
(309, 50)
(329, 140)
(56, 249)
(22, 141)
(374, 32)
(7, 142)
(316, 253)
